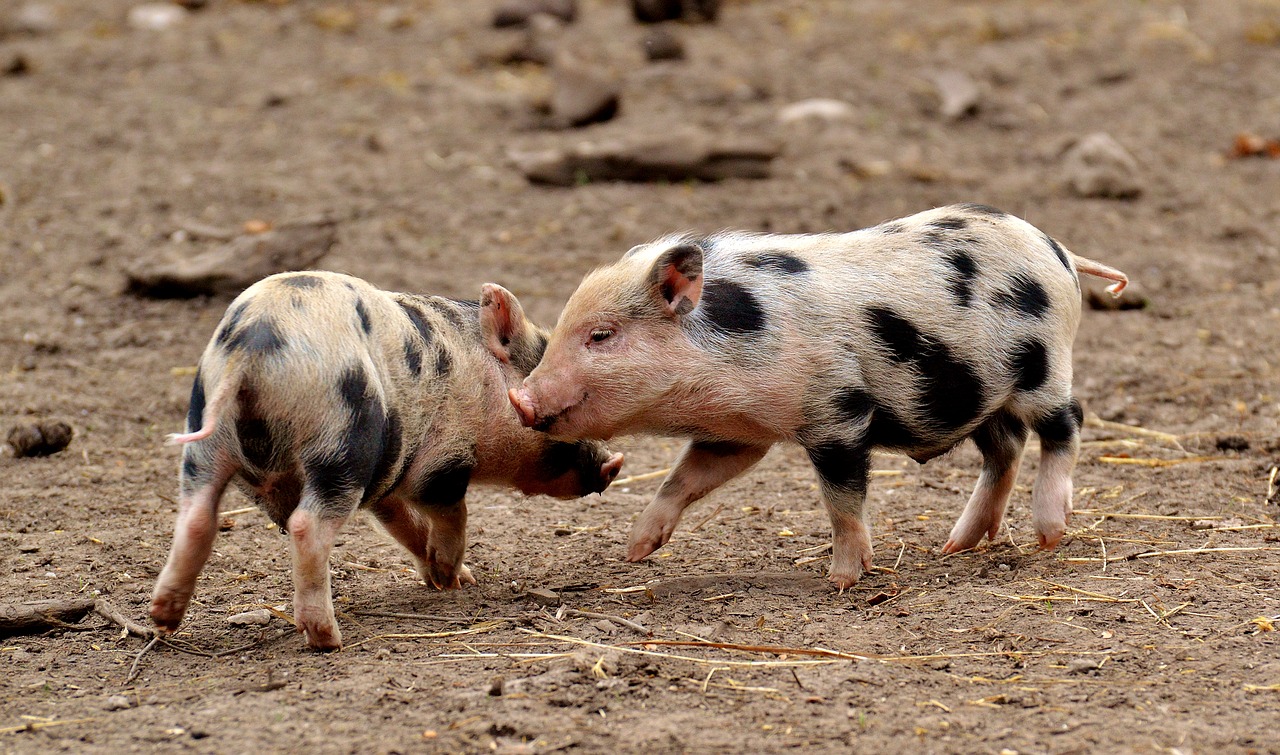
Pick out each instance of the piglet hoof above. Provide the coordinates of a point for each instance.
(644, 543)
(167, 612)
(446, 577)
(845, 573)
(1050, 540)
(322, 632)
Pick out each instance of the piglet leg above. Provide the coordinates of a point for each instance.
(842, 473)
(1001, 440)
(442, 566)
(200, 491)
(702, 467)
(1051, 497)
(311, 537)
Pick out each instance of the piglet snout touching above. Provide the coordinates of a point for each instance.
(609, 472)
(524, 407)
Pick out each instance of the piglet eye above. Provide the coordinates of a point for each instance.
(600, 334)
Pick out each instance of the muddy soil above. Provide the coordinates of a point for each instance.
(1149, 630)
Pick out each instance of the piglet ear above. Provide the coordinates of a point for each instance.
(677, 277)
(502, 321)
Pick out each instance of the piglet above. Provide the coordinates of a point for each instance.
(910, 336)
(320, 395)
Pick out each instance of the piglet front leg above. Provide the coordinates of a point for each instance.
(702, 467)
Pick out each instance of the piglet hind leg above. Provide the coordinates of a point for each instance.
(201, 486)
(842, 472)
(313, 528)
(442, 566)
(702, 467)
(1051, 497)
(1001, 440)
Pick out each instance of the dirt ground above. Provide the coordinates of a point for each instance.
(1149, 629)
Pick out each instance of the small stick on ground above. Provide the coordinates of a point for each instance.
(642, 477)
(709, 517)
(113, 615)
(133, 670)
(421, 617)
(608, 617)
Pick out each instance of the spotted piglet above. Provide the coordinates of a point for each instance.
(912, 336)
(326, 395)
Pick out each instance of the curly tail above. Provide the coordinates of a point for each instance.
(224, 393)
(1099, 270)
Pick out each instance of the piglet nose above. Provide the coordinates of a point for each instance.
(609, 471)
(523, 405)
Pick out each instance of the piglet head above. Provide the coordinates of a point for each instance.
(618, 350)
(564, 469)
(571, 469)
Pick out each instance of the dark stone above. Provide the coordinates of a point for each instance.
(661, 43)
(40, 439)
(582, 96)
(678, 156)
(520, 12)
(657, 11)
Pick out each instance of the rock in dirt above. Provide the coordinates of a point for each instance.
(18, 65)
(819, 109)
(1098, 167)
(521, 12)
(117, 702)
(260, 617)
(675, 157)
(541, 39)
(40, 439)
(657, 11)
(233, 266)
(543, 596)
(1083, 666)
(957, 94)
(156, 16)
(582, 95)
(661, 43)
(1131, 298)
(34, 19)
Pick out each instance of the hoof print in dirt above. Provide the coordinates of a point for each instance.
(237, 264)
(1098, 167)
(41, 439)
(521, 12)
(582, 95)
(657, 11)
(678, 157)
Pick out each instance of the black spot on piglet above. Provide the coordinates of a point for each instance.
(1024, 296)
(195, 410)
(302, 281)
(362, 312)
(258, 337)
(1030, 363)
(902, 338)
(730, 307)
(780, 262)
(444, 485)
(960, 278)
